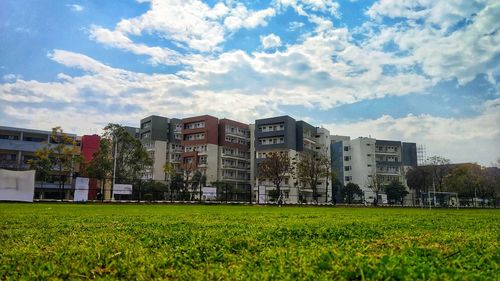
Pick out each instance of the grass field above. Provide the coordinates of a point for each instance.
(70, 241)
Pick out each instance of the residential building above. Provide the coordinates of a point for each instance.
(161, 137)
(369, 162)
(234, 156)
(89, 145)
(133, 131)
(219, 149)
(284, 134)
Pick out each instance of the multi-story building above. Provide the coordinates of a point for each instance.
(285, 135)
(18, 146)
(161, 137)
(234, 156)
(133, 131)
(219, 149)
(369, 162)
(89, 145)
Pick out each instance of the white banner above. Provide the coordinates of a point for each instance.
(262, 194)
(125, 189)
(209, 193)
(17, 185)
(81, 189)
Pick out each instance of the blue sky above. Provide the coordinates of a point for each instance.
(423, 71)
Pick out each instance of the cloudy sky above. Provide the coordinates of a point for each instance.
(415, 70)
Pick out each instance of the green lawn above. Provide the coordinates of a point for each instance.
(70, 241)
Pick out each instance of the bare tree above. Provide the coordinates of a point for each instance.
(375, 183)
(439, 167)
(312, 167)
(275, 167)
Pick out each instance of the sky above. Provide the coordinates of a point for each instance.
(421, 71)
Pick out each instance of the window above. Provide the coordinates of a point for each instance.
(346, 148)
(347, 168)
(347, 158)
(347, 178)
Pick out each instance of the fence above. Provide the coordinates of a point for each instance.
(123, 190)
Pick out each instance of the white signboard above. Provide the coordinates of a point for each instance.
(262, 194)
(17, 185)
(81, 189)
(209, 193)
(125, 189)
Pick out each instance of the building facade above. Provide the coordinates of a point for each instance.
(18, 147)
(284, 134)
(369, 162)
(218, 149)
(161, 137)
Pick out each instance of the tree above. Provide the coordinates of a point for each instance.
(61, 154)
(178, 186)
(154, 190)
(197, 181)
(439, 167)
(491, 183)
(375, 183)
(276, 166)
(131, 157)
(336, 186)
(396, 192)
(310, 169)
(41, 163)
(419, 178)
(465, 179)
(349, 191)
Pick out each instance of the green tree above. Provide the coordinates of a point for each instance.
(464, 179)
(336, 186)
(349, 191)
(41, 163)
(131, 157)
(61, 154)
(419, 178)
(396, 192)
(154, 190)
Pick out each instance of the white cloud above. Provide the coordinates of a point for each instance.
(295, 25)
(467, 139)
(270, 41)
(241, 17)
(75, 7)
(12, 77)
(454, 39)
(191, 25)
(116, 39)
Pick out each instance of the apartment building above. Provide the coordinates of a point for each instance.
(284, 134)
(367, 161)
(219, 149)
(234, 154)
(161, 137)
(18, 146)
(89, 145)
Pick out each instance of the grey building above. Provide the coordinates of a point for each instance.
(18, 146)
(284, 134)
(161, 137)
